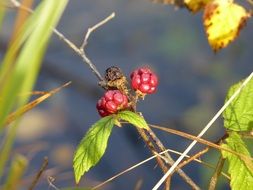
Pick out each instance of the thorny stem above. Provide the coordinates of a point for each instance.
(80, 51)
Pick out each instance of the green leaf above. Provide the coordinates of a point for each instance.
(238, 116)
(133, 118)
(92, 146)
(241, 174)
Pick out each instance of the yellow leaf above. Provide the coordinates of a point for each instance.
(196, 5)
(223, 21)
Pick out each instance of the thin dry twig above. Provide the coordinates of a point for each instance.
(79, 50)
(152, 157)
(203, 141)
(216, 174)
(152, 148)
(50, 181)
(188, 160)
(170, 161)
(90, 30)
(38, 175)
(194, 159)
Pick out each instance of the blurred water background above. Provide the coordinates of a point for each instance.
(193, 85)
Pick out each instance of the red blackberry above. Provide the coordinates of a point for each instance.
(144, 80)
(111, 102)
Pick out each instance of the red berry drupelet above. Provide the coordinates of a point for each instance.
(111, 102)
(144, 80)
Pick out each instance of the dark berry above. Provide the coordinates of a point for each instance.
(111, 102)
(113, 73)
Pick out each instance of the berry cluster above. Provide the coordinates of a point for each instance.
(143, 81)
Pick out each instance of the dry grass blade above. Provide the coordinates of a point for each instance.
(21, 111)
(200, 140)
(150, 158)
(38, 175)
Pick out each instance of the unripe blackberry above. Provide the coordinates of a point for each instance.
(144, 80)
(113, 73)
(111, 102)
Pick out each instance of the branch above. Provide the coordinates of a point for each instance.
(170, 161)
(79, 50)
(37, 177)
(217, 172)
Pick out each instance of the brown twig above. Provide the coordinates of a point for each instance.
(38, 175)
(170, 161)
(245, 158)
(217, 172)
(152, 148)
(188, 160)
(79, 50)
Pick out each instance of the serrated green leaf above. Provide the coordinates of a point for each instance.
(92, 146)
(240, 172)
(238, 116)
(133, 118)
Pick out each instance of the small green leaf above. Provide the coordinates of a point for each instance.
(239, 170)
(92, 147)
(238, 116)
(133, 118)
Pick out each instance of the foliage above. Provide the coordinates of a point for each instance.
(92, 147)
(133, 118)
(241, 175)
(222, 19)
(239, 114)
